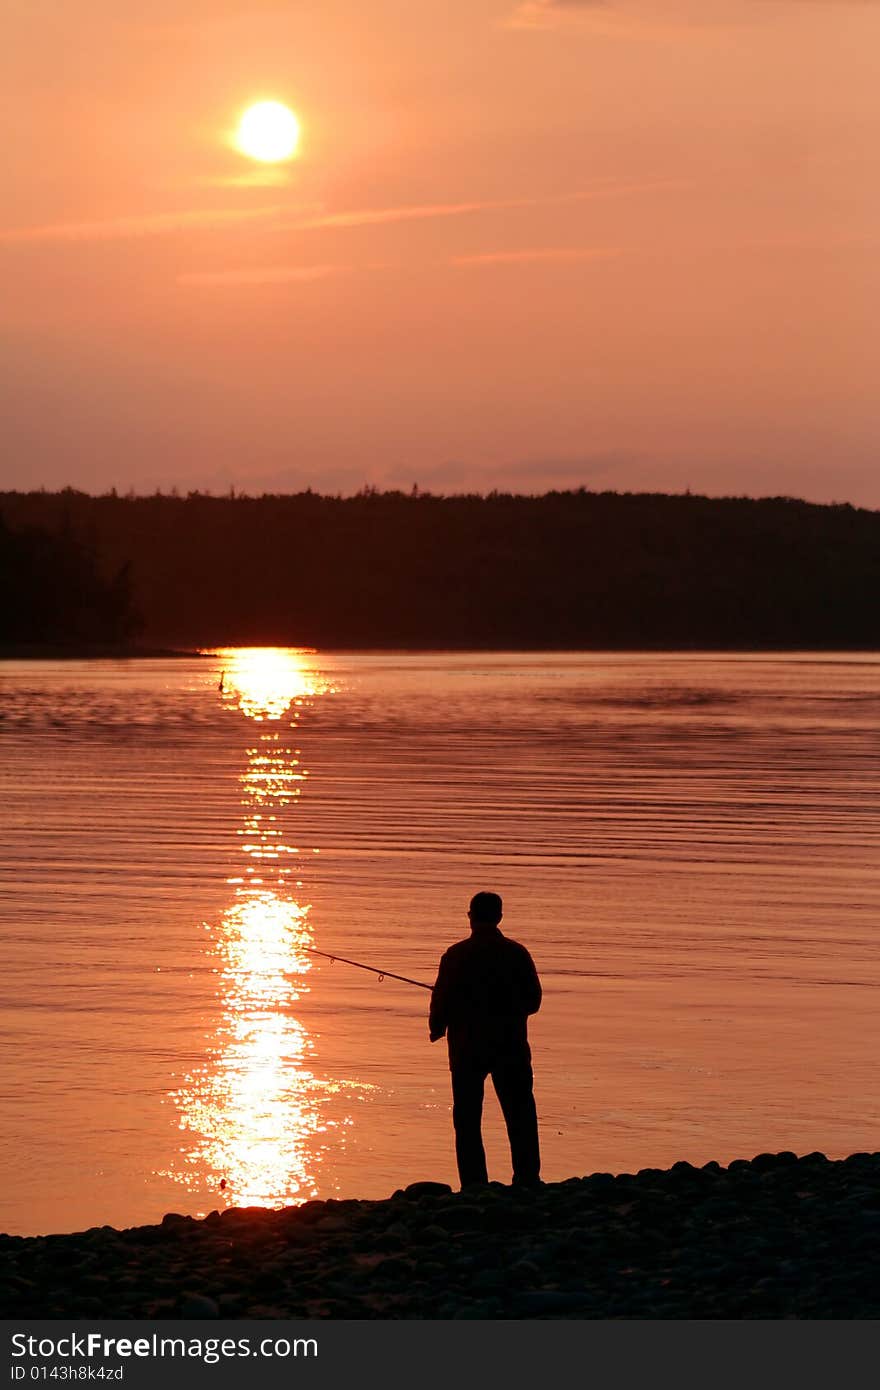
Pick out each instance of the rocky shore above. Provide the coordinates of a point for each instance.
(776, 1236)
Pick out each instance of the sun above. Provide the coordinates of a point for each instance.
(268, 131)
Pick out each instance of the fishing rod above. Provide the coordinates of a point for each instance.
(381, 973)
(374, 970)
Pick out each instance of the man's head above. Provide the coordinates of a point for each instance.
(485, 910)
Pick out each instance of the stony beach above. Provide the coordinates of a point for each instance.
(777, 1236)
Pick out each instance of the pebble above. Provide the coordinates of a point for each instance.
(428, 1189)
(198, 1305)
(543, 1301)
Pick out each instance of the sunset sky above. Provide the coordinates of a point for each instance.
(555, 243)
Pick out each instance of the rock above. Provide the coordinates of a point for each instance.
(174, 1218)
(105, 1237)
(328, 1224)
(252, 1216)
(762, 1162)
(310, 1212)
(398, 1230)
(432, 1234)
(682, 1174)
(198, 1305)
(229, 1304)
(462, 1217)
(482, 1309)
(540, 1302)
(159, 1308)
(393, 1268)
(90, 1307)
(428, 1189)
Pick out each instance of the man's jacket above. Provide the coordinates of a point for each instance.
(486, 987)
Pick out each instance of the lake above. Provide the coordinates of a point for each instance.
(688, 844)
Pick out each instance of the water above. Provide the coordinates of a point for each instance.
(689, 845)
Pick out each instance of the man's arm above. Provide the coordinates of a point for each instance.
(532, 993)
(437, 1016)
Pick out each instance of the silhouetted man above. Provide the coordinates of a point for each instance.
(486, 987)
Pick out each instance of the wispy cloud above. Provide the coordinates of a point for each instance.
(645, 18)
(372, 217)
(277, 216)
(560, 254)
(411, 212)
(303, 274)
(125, 228)
(262, 275)
(549, 14)
(258, 178)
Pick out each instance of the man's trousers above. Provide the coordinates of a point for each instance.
(513, 1081)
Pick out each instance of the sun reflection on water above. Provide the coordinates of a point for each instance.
(255, 1113)
(265, 681)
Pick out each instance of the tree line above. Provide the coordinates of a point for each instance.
(55, 589)
(390, 569)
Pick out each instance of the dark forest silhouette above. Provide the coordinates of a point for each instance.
(53, 589)
(568, 569)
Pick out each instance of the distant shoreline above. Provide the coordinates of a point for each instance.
(572, 571)
(83, 651)
(35, 651)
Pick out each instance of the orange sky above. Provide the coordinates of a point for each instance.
(626, 245)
